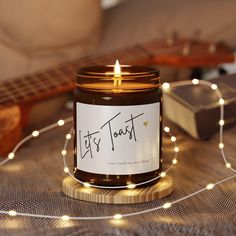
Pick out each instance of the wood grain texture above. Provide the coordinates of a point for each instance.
(73, 189)
(10, 128)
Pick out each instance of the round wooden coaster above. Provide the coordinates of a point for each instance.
(75, 190)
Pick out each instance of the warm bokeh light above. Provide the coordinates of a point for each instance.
(65, 217)
(165, 86)
(63, 152)
(210, 186)
(35, 133)
(61, 122)
(12, 213)
(86, 184)
(167, 205)
(195, 81)
(222, 101)
(117, 216)
(11, 155)
(221, 145)
(131, 186)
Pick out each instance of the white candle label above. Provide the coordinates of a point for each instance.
(118, 140)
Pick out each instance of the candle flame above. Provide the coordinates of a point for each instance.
(117, 74)
(117, 69)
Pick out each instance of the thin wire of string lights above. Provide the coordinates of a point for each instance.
(176, 150)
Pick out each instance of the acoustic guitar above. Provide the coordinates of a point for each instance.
(17, 95)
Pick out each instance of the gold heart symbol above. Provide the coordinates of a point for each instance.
(145, 123)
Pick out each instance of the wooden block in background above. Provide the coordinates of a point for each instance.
(74, 189)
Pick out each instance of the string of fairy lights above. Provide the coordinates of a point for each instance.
(167, 130)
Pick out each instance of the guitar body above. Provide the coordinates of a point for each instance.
(10, 128)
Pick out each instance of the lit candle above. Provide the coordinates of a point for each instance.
(118, 123)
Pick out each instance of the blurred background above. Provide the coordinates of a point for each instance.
(42, 43)
(35, 35)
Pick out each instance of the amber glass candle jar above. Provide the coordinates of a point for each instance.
(118, 125)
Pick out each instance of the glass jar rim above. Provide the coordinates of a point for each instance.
(126, 71)
(131, 79)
